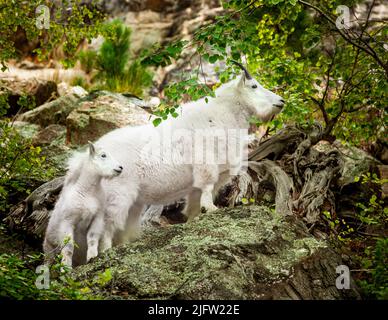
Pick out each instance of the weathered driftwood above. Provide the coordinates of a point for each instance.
(287, 138)
(284, 184)
(301, 175)
(284, 169)
(31, 215)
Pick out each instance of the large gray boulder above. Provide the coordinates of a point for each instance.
(37, 90)
(54, 112)
(101, 112)
(240, 253)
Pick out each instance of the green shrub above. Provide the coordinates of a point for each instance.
(20, 163)
(16, 280)
(113, 55)
(372, 211)
(84, 22)
(87, 59)
(110, 66)
(133, 80)
(80, 81)
(18, 277)
(376, 287)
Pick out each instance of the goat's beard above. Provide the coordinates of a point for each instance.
(110, 176)
(268, 117)
(254, 127)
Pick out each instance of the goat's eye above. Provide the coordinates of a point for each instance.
(103, 155)
(254, 86)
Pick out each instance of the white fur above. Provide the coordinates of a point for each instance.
(148, 180)
(80, 207)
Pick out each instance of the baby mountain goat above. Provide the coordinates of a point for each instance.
(166, 163)
(80, 208)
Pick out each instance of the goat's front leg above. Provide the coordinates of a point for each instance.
(93, 236)
(118, 210)
(205, 177)
(106, 239)
(68, 245)
(49, 251)
(133, 224)
(207, 201)
(193, 206)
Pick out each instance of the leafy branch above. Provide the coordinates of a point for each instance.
(358, 43)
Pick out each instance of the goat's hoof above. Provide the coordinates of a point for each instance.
(210, 208)
(90, 257)
(191, 217)
(66, 268)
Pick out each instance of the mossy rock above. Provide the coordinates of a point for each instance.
(25, 129)
(37, 91)
(53, 112)
(101, 112)
(241, 253)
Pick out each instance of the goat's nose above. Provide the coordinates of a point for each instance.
(280, 104)
(119, 169)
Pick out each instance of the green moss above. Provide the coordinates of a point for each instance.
(219, 255)
(26, 130)
(83, 120)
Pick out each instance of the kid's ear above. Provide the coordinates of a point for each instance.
(92, 149)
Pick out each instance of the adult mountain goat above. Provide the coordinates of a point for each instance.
(78, 215)
(171, 161)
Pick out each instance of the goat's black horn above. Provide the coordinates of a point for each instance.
(247, 74)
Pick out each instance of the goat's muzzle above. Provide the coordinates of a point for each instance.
(280, 104)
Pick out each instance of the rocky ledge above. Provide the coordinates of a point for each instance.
(241, 253)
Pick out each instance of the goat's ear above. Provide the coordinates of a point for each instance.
(241, 82)
(92, 149)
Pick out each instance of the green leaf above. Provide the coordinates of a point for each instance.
(213, 59)
(156, 122)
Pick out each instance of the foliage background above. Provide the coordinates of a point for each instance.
(337, 77)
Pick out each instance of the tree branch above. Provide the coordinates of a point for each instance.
(323, 110)
(368, 50)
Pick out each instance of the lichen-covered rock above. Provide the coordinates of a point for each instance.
(36, 90)
(64, 89)
(51, 140)
(48, 135)
(101, 112)
(54, 112)
(25, 129)
(240, 253)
